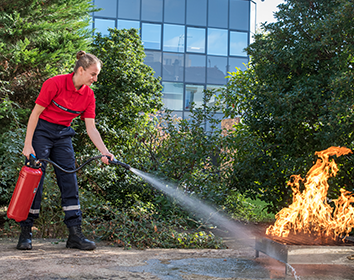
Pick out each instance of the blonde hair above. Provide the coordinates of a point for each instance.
(85, 60)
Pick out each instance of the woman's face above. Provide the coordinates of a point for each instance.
(89, 76)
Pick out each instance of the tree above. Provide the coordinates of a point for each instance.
(38, 39)
(296, 97)
(126, 92)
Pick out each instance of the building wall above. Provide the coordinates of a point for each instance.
(191, 44)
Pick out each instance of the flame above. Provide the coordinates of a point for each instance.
(310, 212)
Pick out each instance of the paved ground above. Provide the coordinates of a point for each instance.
(50, 260)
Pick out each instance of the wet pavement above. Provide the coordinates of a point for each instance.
(50, 260)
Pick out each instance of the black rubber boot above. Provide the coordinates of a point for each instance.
(78, 240)
(25, 240)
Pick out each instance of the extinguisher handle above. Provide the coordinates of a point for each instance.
(33, 162)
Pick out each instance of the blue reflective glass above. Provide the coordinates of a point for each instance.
(109, 8)
(174, 11)
(216, 89)
(151, 10)
(151, 36)
(218, 13)
(217, 41)
(239, 14)
(172, 95)
(173, 38)
(173, 67)
(153, 59)
(195, 40)
(194, 93)
(128, 24)
(217, 70)
(195, 68)
(102, 25)
(237, 62)
(238, 42)
(196, 12)
(129, 9)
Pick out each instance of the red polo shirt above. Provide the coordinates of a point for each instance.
(61, 89)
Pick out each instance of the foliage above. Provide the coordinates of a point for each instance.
(296, 97)
(39, 39)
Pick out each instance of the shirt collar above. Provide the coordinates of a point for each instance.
(70, 84)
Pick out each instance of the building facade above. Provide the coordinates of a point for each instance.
(191, 44)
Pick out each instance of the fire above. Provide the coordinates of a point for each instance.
(310, 212)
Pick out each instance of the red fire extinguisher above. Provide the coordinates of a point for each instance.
(25, 190)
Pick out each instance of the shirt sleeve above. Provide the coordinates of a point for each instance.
(48, 91)
(90, 113)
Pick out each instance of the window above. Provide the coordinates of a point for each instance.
(151, 10)
(172, 95)
(216, 89)
(194, 94)
(217, 41)
(129, 9)
(173, 38)
(195, 68)
(195, 40)
(128, 24)
(173, 67)
(151, 36)
(237, 62)
(109, 8)
(102, 25)
(217, 13)
(217, 70)
(239, 14)
(153, 59)
(238, 42)
(196, 12)
(174, 11)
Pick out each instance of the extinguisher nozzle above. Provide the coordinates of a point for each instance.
(126, 166)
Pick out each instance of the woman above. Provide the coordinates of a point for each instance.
(61, 99)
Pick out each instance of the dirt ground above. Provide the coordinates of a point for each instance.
(50, 259)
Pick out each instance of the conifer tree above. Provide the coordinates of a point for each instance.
(39, 39)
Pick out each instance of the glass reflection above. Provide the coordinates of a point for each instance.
(194, 94)
(217, 41)
(173, 38)
(239, 14)
(218, 13)
(237, 62)
(151, 10)
(196, 12)
(216, 89)
(174, 11)
(238, 42)
(195, 68)
(195, 40)
(217, 70)
(153, 59)
(129, 9)
(102, 25)
(173, 67)
(151, 36)
(128, 24)
(109, 8)
(172, 95)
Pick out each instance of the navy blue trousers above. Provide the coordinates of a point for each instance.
(53, 141)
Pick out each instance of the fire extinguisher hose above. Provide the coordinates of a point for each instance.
(114, 161)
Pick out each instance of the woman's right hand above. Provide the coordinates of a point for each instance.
(27, 150)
